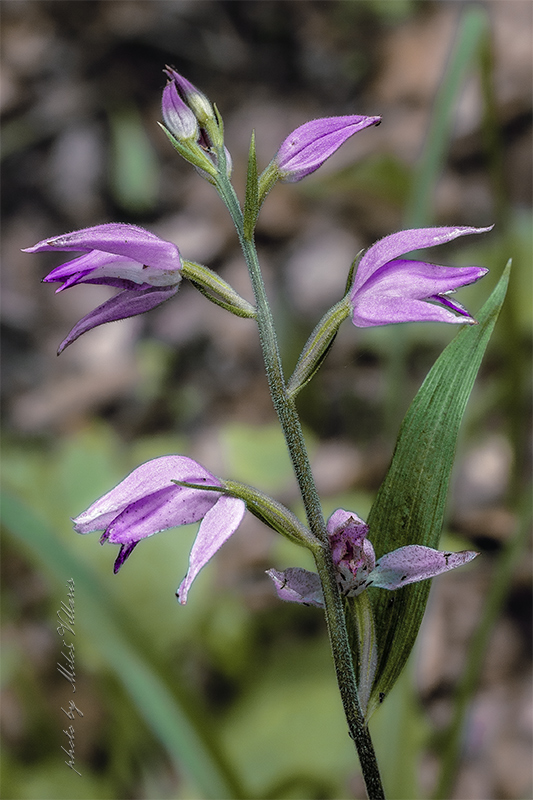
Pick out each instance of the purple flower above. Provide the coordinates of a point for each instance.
(388, 288)
(147, 502)
(307, 147)
(145, 267)
(353, 556)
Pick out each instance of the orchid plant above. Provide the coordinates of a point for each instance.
(383, 287)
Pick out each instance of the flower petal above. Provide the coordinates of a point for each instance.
(166, 508)
(376, 310)
(341, 518)
(146, 479)
(398, 244)
(396, 291)
(415, 563)
(119, 238)
(297, 585)
(127, 303)
(419, 279)
(220, 522)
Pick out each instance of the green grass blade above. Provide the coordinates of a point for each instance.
(409, 507)
(184, 742)
(472, 27)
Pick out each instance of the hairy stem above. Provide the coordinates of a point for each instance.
(292, 430)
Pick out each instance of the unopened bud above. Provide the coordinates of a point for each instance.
(177, 116)
(198, 103)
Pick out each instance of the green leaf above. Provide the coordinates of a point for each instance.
(251, 201)
(409, 507)
(189, 747)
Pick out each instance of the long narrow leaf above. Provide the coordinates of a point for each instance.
(409, 507)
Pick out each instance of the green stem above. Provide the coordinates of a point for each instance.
(283, 404)
(342, 657)
(292, 430)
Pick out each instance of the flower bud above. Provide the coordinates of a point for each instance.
(198, 103)
(177, 116)
(306, 149)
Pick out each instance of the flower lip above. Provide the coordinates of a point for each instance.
(110, 269)
(352, 553)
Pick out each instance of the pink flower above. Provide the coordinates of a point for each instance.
(145, 267)
(353, 556)
(148, 501)
(388, 288)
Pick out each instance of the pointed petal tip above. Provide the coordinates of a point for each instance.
(181, 593)
(413, 563)
(123, 554)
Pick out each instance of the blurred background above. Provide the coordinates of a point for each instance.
(234, 695)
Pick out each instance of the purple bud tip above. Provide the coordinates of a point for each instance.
(307, 147)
